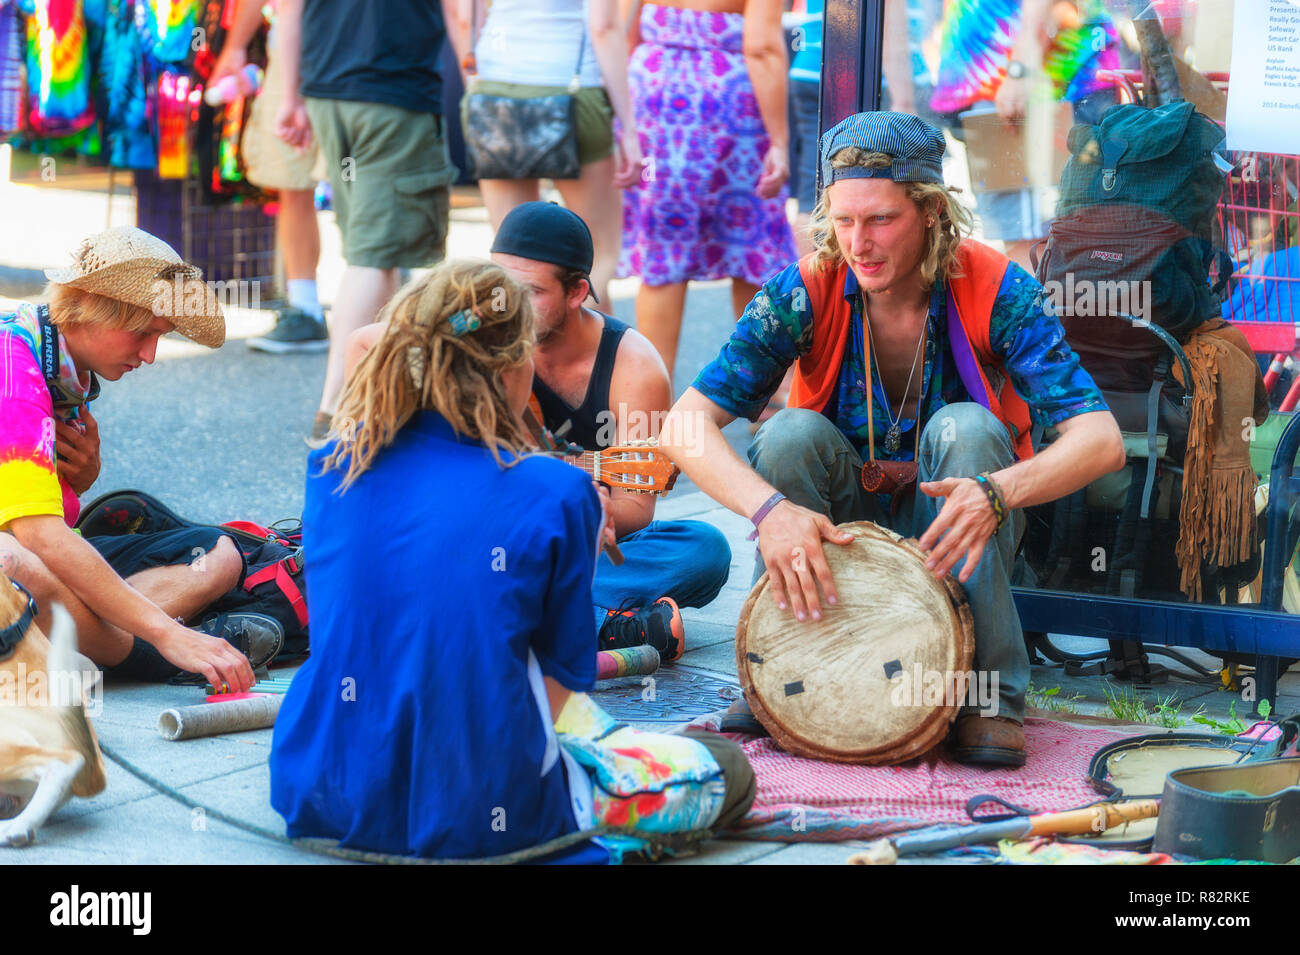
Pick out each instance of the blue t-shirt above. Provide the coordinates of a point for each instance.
(806, 64)
(413, 728)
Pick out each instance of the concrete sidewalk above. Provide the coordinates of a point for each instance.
(219, 436)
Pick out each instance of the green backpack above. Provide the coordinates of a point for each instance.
(1160, 157)
(1138, 206)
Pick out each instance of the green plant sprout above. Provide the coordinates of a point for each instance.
(1051, 700)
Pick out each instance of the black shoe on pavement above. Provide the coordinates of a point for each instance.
(294, 331)
(255, 635)
(658, 625)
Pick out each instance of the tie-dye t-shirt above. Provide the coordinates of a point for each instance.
(29, 482)
(977, 36)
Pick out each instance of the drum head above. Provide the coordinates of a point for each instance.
(873, 680)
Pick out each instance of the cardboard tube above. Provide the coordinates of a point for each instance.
(212, 719)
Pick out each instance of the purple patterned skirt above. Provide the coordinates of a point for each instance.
(695, 214)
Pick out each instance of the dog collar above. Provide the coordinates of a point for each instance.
(11, 635)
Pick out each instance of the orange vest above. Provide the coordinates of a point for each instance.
(970, 303)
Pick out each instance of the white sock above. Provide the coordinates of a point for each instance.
(302, 294)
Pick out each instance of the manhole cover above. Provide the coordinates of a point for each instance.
(669, 695)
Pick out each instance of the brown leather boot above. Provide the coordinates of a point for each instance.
(739, 718)
(988, 740)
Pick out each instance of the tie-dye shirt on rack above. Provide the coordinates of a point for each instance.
(29, 482)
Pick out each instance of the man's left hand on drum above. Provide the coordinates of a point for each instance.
(964, 526)
(790, 540)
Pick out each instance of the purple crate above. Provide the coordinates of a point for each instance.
(230, 242)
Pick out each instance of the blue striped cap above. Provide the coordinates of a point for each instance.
(917, 147)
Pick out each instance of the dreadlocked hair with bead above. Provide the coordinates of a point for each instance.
(448, 337)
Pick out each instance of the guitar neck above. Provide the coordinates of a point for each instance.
(607, 467)
(589, 461)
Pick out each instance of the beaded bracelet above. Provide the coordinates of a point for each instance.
(994, 494)
(762, 512)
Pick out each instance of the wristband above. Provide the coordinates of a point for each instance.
(763, 511)
(994, 494)
(998, 487)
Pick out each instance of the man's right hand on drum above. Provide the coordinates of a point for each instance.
(790, 539)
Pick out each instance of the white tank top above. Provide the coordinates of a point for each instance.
(536, 42)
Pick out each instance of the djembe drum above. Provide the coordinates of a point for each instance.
(881, 676)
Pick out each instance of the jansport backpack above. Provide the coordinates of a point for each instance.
(1138, 204)
(1137, 212)
(274, 583)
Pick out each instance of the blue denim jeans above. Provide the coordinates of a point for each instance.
(808, 459)
(686, 560)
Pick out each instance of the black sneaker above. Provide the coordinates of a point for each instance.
(255, 635)
(294, 331)
(659, 625)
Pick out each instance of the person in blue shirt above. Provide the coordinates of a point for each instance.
(450, 578)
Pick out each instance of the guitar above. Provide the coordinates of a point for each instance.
(638, 466)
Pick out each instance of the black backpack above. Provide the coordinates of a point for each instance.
(1137, 212)
(274, 583)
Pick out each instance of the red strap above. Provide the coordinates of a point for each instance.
(248, 527)
(284, 580)
(262, 576)
(290, 590)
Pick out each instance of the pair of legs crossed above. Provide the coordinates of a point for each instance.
(688, 561)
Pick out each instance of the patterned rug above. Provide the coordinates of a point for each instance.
(808, 800)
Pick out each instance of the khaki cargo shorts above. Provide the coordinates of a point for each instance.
(269, 161)
(389, 170)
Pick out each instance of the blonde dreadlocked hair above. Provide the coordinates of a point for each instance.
(952, 219)
(421, 363)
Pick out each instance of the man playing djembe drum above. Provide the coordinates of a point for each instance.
(939, 325)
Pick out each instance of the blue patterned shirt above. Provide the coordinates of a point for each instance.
(777, 328)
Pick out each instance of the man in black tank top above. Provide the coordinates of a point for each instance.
(607, 384)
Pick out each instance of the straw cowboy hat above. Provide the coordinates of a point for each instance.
(130, 265)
